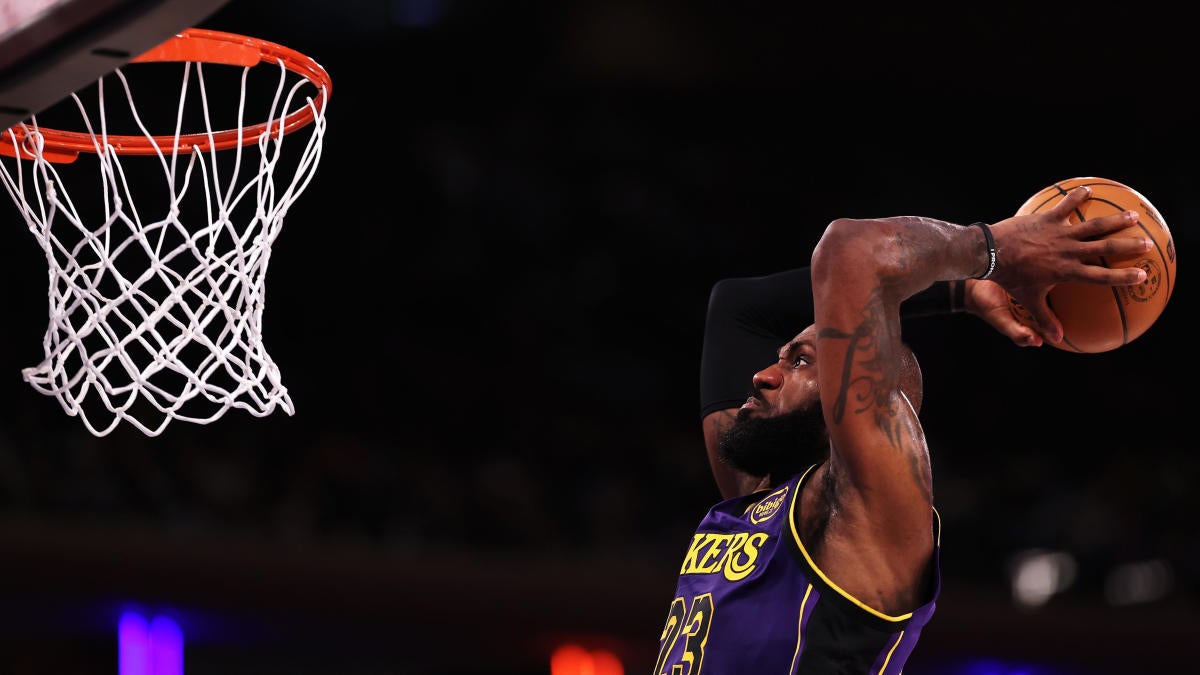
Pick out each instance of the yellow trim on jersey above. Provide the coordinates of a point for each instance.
(937, 521)
(804, 552)
(800, 627)
(891, 651)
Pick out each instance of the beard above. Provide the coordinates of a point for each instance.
(777, 446)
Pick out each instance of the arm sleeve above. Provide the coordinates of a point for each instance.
(750, 318)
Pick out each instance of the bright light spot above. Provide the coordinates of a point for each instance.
(149, 648)
(166, 641)
(133, 645)
(571, 660)
(1038, 575)
(575, 660)
(1134, 583)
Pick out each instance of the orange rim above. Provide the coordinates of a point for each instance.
(200, 46)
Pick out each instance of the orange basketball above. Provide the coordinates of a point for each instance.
(1101, 318)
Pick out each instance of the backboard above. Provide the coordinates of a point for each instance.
(50, 48)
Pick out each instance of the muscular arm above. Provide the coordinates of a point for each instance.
(862, 270)
(877, 484)
(876, 490)
(749, 318)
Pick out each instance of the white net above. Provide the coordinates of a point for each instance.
(157, 283)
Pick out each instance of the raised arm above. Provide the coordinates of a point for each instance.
(750, 317)
(878, 477)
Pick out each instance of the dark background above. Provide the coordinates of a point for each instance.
(488, 306)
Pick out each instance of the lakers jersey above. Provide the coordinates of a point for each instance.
(750, 600)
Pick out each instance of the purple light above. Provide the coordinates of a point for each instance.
(154, 648)
(167, 642)
(133, 645)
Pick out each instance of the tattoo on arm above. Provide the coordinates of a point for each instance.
(879, 377)
(872, 380)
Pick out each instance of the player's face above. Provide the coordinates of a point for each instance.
(780, 428)
(789, 384)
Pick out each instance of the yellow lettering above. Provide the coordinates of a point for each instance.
(767, 507)
(736, 555)
(689, 562)
(735, 569)
(738, 540)
(708, 562)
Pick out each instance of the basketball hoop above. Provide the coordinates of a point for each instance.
(156, 309)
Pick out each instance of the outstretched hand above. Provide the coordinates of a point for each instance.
(1037, 251)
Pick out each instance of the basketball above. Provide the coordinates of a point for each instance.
(1102, 318)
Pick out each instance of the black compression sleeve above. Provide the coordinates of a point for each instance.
(937, 299)
(750, 318)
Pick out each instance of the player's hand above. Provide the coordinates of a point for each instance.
(989, 301)
(1037, 251)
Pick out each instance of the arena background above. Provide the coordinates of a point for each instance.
(488, 308)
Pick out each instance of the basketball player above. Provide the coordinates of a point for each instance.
(823, 557)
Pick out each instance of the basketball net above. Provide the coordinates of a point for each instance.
(155, 313)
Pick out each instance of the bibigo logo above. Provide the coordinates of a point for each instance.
(768, 507)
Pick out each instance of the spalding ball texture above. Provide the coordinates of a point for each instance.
(1102, 318)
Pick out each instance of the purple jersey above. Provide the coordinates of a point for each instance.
(750, 600)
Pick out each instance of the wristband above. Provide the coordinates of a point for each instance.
(991, 249)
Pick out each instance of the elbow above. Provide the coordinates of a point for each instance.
(848, 246)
